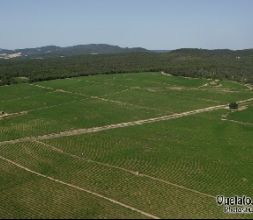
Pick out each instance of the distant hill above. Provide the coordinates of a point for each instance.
(3, 51)
(217, 52)
(54, 51)
(161, 51)
(103, 49)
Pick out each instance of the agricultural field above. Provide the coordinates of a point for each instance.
(139, 145)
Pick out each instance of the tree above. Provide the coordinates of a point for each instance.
(233, 105)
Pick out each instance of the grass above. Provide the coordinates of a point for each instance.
(139, 192)
(24, 195)
(200, 152)
(129, 97)
(163, 168)
(67, 116)
(245, 116)
(17, 92)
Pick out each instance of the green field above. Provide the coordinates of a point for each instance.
(141, 145)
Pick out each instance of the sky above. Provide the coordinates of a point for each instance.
(153, 24)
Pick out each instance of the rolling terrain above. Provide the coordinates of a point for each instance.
(135, 145)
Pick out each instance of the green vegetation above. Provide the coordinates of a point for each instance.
(222, 64)
(242, 116)
(24, 195)
(169, 168)
(200, 152)
(233, 105)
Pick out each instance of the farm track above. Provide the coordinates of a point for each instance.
(238, 122)
(13, 115)
(123, 103)
(104, 99)
(135, 173)
(81, 131)
(249, 86)
(113, 126)
(166, 74)
(57, 105)
(124, 168)
(38, 109)
(97, 98)
(41, 87)
(148, 215)
(120, 102)
(59, 90)
(245, 101)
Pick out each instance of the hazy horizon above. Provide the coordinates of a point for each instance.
(151, 24)
(161, 49)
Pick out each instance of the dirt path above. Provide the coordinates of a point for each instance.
(148, 215)
(237, 122)
(249, 86)
(59, 90)
(57, 105)
(41, 87)
(4, 116)
(166, 74)
(128, 124)
(136, 173)
(114, 126)
(97, 97)
(73, 93)
(245, 101)
(203, 86)
(120, 125)
(124, 103)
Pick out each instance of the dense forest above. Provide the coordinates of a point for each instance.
(222, 64)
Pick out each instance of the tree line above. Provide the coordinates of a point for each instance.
(221, 64)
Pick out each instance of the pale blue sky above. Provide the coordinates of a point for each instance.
(153, 24)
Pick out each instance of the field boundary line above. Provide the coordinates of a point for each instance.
(6, 116)
(80, 189)
(136, 173)
(81, 131)
(59, 90)
(40, 108)
(249, 86)
(237, 122)
(166, 74)
(123, 103)
(54, 106)
(97, 98)
(245, 101)
(41, 87)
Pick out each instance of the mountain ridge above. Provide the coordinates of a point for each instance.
(52, 51)
(57, 51)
